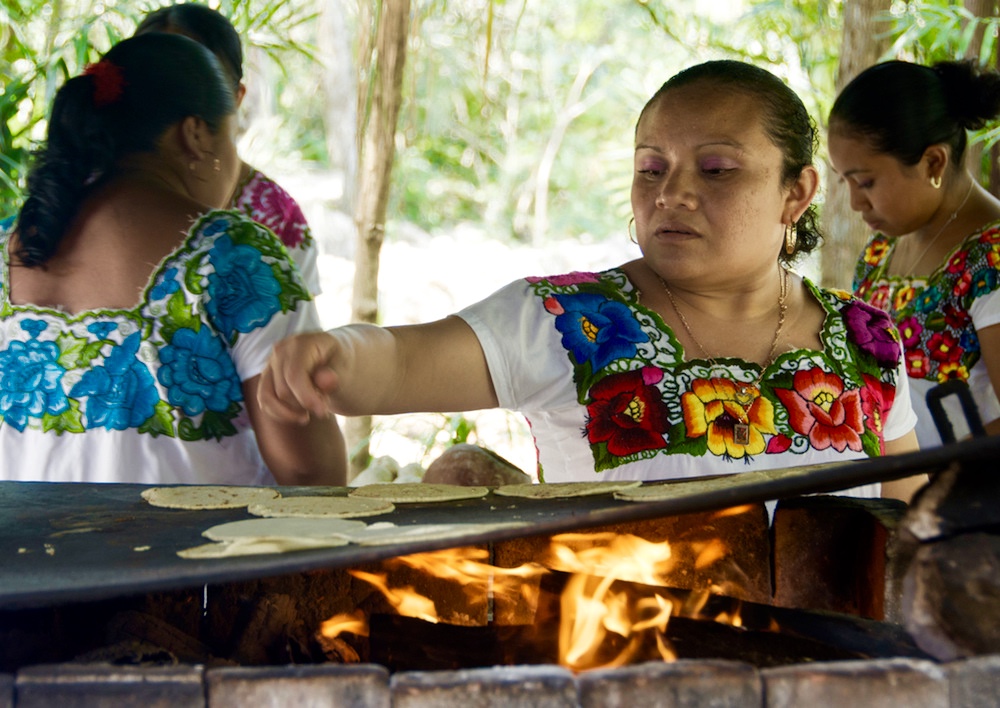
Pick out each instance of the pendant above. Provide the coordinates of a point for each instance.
(741, 434)
(744, 395)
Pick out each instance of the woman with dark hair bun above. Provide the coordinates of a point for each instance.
(897, 137)
(135, 317)
(255, 194)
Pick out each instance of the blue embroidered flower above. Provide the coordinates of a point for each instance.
(928, 300)
(121, 394)
(597, 329)
(216, 226)
(102, 329)
(198, 372)
(30, 382)
(243, 292)
(167, 286)
(984, 281)
(34, 327)
(969, 341)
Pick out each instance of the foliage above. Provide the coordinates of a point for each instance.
(929, 32)
(44, 43)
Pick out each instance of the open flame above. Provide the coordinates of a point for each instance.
(614, 604)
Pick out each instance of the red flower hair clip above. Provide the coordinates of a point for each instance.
(109, 82)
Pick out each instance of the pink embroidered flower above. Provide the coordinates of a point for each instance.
(909, 331)
(820, 408)
(559, 281)
(956, 264)
(880, 297)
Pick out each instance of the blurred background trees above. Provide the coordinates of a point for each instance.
(515, 116)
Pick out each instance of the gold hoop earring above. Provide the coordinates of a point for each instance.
(936, 182)
(631, 237)
(791, 238)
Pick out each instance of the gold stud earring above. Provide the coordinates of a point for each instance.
(631, 236)
(193, 165)
(936, 182)
(217, 164)
(791, 238)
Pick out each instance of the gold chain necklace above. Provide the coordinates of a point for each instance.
(745, 392)
(954, 215)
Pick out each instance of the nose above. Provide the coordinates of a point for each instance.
(857, 199)
(674, 191)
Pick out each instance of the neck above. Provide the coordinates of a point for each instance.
(755, 297)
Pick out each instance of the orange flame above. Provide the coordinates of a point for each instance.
(352, 622)
(603, 623)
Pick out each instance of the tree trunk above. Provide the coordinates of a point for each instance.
(990, 176)
(861, 46)
(377, 118)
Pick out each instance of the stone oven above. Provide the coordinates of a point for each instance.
(826, 601)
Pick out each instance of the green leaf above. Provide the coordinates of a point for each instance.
(69, 421)
(161, 422)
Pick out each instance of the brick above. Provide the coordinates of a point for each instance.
(720, 684)
(543, 686)
(839, 554)
(109, 686)
(315, 686)
(974, 682)
(743, 571)
(881, 683)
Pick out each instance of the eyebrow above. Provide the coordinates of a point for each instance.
(725, 143)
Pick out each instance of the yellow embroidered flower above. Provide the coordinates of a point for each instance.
(904, 296)
(733, 422)
(952, 370)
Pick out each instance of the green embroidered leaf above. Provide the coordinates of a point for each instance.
(870, 444)
(219, 425)
(188, 431)
(935, 321)
(681, 445)
(161, 422)
(292, 291)
(71, 350)
(180, 316)
(69, 421)
(603, 460)
(192, 274)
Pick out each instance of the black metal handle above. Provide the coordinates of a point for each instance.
(954, 387)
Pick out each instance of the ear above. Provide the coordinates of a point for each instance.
(935, 160)
(241, 92)
(195, 137)
(801, 194)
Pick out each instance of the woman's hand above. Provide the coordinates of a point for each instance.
(299, 377)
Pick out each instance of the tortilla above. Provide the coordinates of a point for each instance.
(418, 492)
(384, 534)
(563, 490)
(197, 496)
(316, 506)
(259, 546)
(690, 487)
(283, 527)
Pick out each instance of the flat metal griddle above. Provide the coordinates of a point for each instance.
(76, 542)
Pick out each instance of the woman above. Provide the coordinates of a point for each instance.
(704, 356)
(135, 320)
(897, 137)
(255, 194)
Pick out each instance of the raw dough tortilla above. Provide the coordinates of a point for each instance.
(383, 534)
(418, 492)
(199, 496)
(690, 487)
(283, 527)
(316, 506)
(259, 546)
(563, 490)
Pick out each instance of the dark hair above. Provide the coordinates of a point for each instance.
(162, 78)
(205, 26)
(900, 108)
(786, 123)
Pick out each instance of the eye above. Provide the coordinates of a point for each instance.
(718, 166)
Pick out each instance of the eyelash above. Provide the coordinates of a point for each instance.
(713, 172)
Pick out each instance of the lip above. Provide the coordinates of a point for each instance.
(674, 229)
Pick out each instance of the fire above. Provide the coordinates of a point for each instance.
(613, 607)
(352, 622)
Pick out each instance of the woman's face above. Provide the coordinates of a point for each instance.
(706, 190)
(891, 197)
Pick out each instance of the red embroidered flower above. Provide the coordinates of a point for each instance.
(627, 412)
(109, 82)
(955, 317)
(876, 398)
(880, 297)
(820, 408)
(943, 346)
(956, 264)
(963, 284)
(917, 363)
